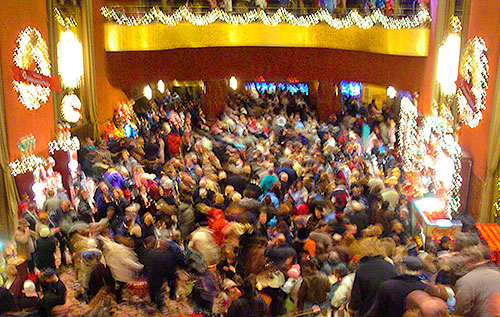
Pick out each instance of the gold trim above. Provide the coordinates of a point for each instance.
(406, 42)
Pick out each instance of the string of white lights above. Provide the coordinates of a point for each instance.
(436, 132)
(66, 145)
(64, 21)
(31, 47)
(26, 164)
(475, 71)
(353, 18)
(408, 136)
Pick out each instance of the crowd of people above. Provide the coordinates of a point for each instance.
(268, 211)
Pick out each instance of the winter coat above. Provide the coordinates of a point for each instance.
(44, 254)
(314, 289)
(186, 219)
(372, 272)
(250, 306)
(390, 300)
(121, 260)
(24, 243)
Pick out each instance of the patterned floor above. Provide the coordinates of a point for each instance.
(136, 303)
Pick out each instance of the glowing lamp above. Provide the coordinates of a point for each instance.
(391, 92)
(233, 83)
(447, 69)
(70, 59)
(161, 86)
(148, 92)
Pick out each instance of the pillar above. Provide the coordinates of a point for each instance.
(214, 98)
(328, 102)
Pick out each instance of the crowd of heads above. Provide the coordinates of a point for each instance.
(263, 198)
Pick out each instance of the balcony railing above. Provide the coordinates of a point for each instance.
(155, 28)
(298, 7)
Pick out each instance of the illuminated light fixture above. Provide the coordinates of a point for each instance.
(161, 86)
(447, 69)
(71, 108)
(70, 59)
(233, 83)
(391, 92)
(148, 92)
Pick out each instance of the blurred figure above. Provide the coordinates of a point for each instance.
(392, 293)
(45, 250)
(53, 290)
(13, 282)
(249, 304)
(474, 289)
(29, 301)
(24, 242)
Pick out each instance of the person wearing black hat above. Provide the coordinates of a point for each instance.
(53, 289)
(390, 300)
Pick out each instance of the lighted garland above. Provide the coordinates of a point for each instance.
(26, 164)
(65, 145)
(408, 136)
(64, 21)
(353, 18)
(445, 146)
(31, 47)
(475, 71)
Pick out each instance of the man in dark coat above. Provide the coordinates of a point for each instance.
(160, 265)
(84, 209)
(249, 304)
(390, 300)
(45, 249)
(280, 251)
(53, 289)
(7, 301)
(372, 272)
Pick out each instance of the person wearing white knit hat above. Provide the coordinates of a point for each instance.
(29, 301)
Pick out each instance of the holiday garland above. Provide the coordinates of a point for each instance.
(475, 72)
(438, 143)
(408, 136)
(30, 47)
(353, 18)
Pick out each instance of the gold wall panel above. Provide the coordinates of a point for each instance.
(151, 37)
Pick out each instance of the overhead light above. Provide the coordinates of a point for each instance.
(391, 92)
(70, 59)
(447, 67)
(148, 92)
(161, 86)
(233, 83)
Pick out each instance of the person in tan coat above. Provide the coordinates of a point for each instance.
(23, 237)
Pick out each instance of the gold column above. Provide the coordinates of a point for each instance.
(89, 67)
(490, 192)
(8, 192)
(443, 17)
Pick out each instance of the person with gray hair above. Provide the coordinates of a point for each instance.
(392, 293)
(475, 289)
